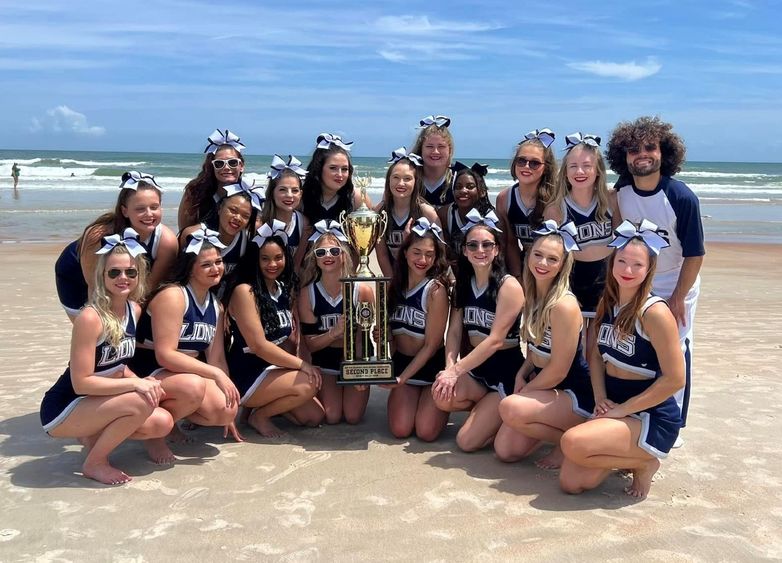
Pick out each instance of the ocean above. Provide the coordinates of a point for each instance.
(60, 192)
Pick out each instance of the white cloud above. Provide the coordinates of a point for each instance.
(393, 56)
(63, 119)
(417, 25)
(624, 71)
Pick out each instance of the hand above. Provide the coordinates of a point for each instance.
(519, 384)
(603, 405)
(233, 431)
(616, 411)
(392, 385)
(361, 387)
(443, 388)
(228, 388)
(150, 389)
(408, 227)
(313, 374)
(676, 304)
(338, 329)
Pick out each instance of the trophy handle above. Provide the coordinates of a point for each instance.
(383, 221)
(343, 222)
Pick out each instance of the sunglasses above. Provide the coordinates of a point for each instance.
(648, 147)
(333, 250)
(130, 273)
(475, 245)
(521, 162)
(231, 163)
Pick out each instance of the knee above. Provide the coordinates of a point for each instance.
(314, 419)
(400, 429)
(428, 432)
(573, 446)
(159, 423)
(503, 452)
(512, 410)
(136, 406)
(466, 442)
(191, 391)
(354, 418)
(569, 484)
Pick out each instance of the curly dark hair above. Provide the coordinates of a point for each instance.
(182, 269)
(465, 272)
(312, 189)
(633, 133)
(438, 271)
(203, 187)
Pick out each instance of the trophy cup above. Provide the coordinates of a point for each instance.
(371, 364)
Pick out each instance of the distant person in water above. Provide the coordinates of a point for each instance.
(15, 174)
(646, 153)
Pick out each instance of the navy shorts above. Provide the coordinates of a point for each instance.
(498, 371)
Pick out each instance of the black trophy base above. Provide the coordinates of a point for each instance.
(366, 372)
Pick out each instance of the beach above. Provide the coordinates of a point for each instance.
(356, 493)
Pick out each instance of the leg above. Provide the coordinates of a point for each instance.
(153, 432)
(309, 414)
(330, 396)
(401, 409)
(466, 393)
(213, 410)
(481, 425)
(510, 445)
(603, 444)
(281, 392)
(354, 402)
(110, 420)
(184, 393)
(429, 420)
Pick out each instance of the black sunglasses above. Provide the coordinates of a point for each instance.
(648, 147)
(521, 162)
(231, 162)
(130, 273)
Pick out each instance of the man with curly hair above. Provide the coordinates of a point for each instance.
(646, 153)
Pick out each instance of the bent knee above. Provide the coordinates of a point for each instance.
(570, 486)
(468, 443)
(428, 434)
(574, 445)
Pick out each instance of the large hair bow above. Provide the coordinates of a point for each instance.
(578, 138)
(129, 240)
(324, 227)
(480, 169)
(475, 218)
(218, 139)
(132, 178)
(439, 120)
(197, 238)
(423, 226)
(646, 232)
(401, 153)
(567, 231)
(274, 229)
(325, 140)
(545, 136)
(279, 165)
(242, 187)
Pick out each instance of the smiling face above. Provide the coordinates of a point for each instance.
(401, 180)
(271, 259)
(645, 158)
(143, 211)
(228, 175)
(420, 256)
(436, 152)
(208, 268)
(287, 193)
(532, 153)
(122, 285)
(546, 258)
(480, 246)
(465, 191)
(631, 265)
(330, 262)
(234, 215)
(581, 168)
(335, 174)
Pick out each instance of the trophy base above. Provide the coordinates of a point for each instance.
(366, 372)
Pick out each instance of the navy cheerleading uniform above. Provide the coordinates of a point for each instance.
(295, 230)
(247, 370)
(440, 194)
(498, 371)
(409, 317)
(327, 311)
(69, 278)
(199, 323)
(395, 235)
(233, 252)
(520, 217)
(661, 423)
(577, 383)
(455, 235)
(59, 401)
(588, 279)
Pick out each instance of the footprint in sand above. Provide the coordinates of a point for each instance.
(188, 497)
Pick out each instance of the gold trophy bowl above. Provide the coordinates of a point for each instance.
(363, 228)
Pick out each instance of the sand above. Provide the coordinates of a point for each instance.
(356, 493)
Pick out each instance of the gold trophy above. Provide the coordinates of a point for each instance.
(363, 228)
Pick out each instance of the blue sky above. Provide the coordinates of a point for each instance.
(160, 76)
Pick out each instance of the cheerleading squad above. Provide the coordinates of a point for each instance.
(243, 308)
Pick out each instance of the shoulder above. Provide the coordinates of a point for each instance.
(503, 196)
(94, 235)
(170, 296)
(658, 319)
(554, 211)
(436, 289)
(566, 308)
(677, 190)
(88, 324)
(428, 211)
(511, 287)
(167, 237)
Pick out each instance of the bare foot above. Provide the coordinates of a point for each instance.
(264, 426)
(642, 479)
(552, 460)
(104, 473)
(159, 452)
(176, 436)
(88, 442)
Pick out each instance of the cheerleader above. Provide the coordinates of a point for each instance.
(435, 145)
(283, 200)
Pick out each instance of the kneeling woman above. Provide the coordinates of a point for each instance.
(419, 311)
(323, 324)
(98, 399)
(636, 367)
(271, 379)
(553, 391)
(487, 304)
(180, 341)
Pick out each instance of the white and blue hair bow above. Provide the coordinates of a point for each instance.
(242, 187)
(129, 240)
(577, 138)
(423, 226)
(567, 231)
(475, 218)
(646, 232)
(274, 229)
(545, 136)
(131, 179)
(439, 120)
(279, 165)
(477, 167)
(197, 238)
(401, 153)
(324, 227)
(218, 139)
(325, 140)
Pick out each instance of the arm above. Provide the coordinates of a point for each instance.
(553, 211)
(597, 374)
(691, 267)
(383, 257)
(613, 203)
(453, 339)
(659, 324)
(166, 255)
(565, 334)
(437, 313)
(523, 373)
(315, 342)
(215, 356)
(90, 244)
(442, 220)
(185, 216)
(301, 250)
(512, 250)
(430, 213)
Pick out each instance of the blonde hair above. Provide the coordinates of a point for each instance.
(100, 300)
(311, 272)
(562, 187)
(418, 147)
(537, 308)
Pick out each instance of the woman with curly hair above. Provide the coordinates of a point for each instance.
(435, 145)
(520, 207)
